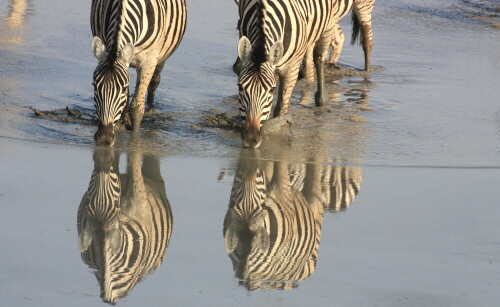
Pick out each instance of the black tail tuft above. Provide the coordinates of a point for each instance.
(356, 28)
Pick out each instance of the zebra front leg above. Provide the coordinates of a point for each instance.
(319, 63)
(287, 83)
(144, 75)
(153, 85)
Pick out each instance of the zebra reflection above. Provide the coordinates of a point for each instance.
(273, 224)
(272, 231)
(124, 222)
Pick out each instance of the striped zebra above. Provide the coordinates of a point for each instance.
(137, 33)
(275, 36)
(124, 222)
(361, 21)
(272, 231)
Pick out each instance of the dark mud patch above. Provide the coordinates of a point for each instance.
(75, 115)
(338, 71)
(221, 120)
(65, 115)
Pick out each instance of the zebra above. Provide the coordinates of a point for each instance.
(361, 10)
(272, 231)
(275, 36)
(137, 33)
(124, 222)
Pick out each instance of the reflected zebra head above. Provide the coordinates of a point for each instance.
(246, 218)
(111, 81)
(256, 84)
(124, 222)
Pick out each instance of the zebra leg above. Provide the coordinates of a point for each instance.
(319, 62)
(336, 44)
(308, 71)
(364, 13)
(153, 85)
(144, 75)
(287, 83)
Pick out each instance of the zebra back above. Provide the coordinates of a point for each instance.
(131, 245)
(146, 24)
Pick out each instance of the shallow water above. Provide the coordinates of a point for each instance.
(412, 154)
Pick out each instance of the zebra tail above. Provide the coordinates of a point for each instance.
(356, 28)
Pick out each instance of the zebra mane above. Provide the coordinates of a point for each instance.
(259, 54)
(113, 45)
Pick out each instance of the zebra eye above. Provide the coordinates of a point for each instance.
(271, 91)
(240, 88)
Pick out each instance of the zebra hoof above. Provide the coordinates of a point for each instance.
(320, 100)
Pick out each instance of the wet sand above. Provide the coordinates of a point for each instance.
(404, 161)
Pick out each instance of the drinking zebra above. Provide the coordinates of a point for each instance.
(137, 33)
(124, 222)
(275, 36)
(272, 231)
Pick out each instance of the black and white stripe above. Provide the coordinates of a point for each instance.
(137, 33)
(124, 222)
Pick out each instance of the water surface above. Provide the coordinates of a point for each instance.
(400, 171)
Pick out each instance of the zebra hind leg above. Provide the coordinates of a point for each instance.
(308, 66)
(153, 85)
(362, 20)
(336, 44)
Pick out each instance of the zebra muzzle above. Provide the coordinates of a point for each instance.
(252, 137)
(105, 135)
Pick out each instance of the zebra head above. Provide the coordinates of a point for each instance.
(256, 84)
(245, 224)
(111, 81)
(98, 215)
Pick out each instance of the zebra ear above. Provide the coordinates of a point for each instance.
(230, 240)
(244, 49)
(127, 54)
(237, 2)
(115, 239)
(85, 238)
(99, 48)
(275, 53)
(262, 239)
